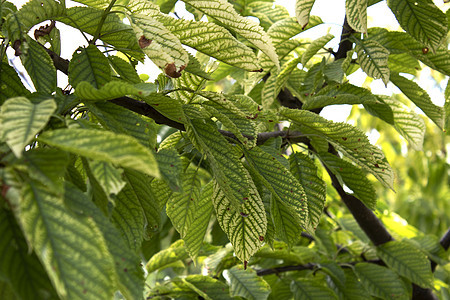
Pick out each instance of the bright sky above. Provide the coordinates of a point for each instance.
(332, 13)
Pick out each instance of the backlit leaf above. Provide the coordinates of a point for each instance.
(21, 120)
(245, 283)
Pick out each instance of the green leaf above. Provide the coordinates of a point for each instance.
(143, 193)
(114, 31)
(353, 289)
(106, 146)
(407, 261)
(40, 67)
(347, 139)
(89, 64)
(380, 281)
(166, 257)
(128, 217)
(421, 98)
(224, 13)
(109, 177)
(194, 237)
(208, 287)
(159, 44)
(315, 46)
(124, 69)
(311, 289)
(111, 90)
(213, 40)
(245, 283)
(373, 59)
(21, 120)
(289, 201)
(10, 83)
(32, 13)
(129, 273)
(302, 11)
(22, 269)
(167, 106)
(283, 30)
(356, 13)
(78, 263)
(354, 178)
(227, 168)
(245, 227)
(409, 124)
(403, 63)
(181, 207)
(122, 120)
(421, 19)
(304, 169)
(169, 164)
(47, 166)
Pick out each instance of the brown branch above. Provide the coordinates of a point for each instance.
(345, 44)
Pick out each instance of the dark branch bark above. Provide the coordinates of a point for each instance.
(345, 44)
(277, 270)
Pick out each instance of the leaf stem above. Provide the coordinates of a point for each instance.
(102, 21)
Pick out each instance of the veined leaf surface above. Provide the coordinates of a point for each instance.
(224, 13)
(302, 10)
(159, 44)
(356, 11)
(421, 98)
(106, 146)
(407, 261)
(347, 139)
(21, 120)
(78, 264)
(246, 227)
(245, 283)
(422, 20)
(89, 64)
(373, 59)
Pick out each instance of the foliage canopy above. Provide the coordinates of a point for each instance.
(221, 179)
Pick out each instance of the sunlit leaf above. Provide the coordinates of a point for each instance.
(245, 227)
(245, 283)
(89, 64)
(420, 97)
(21, 120)
(373, 59)
(302, 10)
(421, 19)
(356, 12)
(40, 67)
(208, 287)
(407, 261)
(348, 139)
(106, 146)
(78, 263)
(380, 281)
(310, 289)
